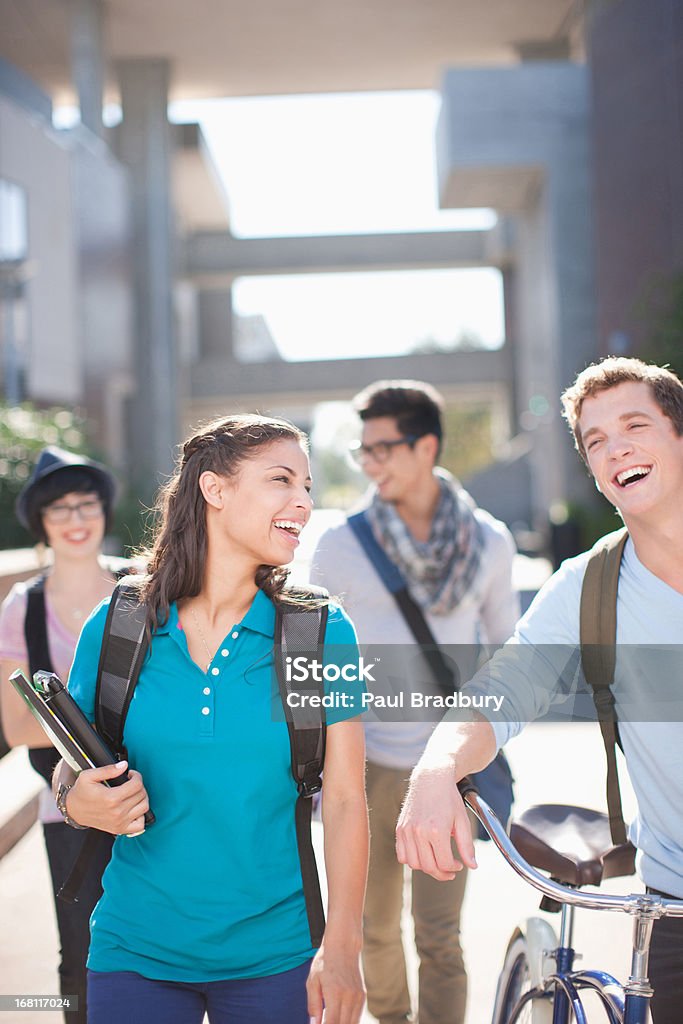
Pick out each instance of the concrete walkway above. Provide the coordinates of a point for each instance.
(552, 763)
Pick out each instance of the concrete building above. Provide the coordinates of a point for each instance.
(123, 293)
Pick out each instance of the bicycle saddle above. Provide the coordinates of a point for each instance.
(572, 843)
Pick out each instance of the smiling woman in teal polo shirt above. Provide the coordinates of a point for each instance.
(205, 911)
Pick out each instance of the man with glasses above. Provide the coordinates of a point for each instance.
(456, 561)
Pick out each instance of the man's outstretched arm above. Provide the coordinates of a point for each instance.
(433, 811)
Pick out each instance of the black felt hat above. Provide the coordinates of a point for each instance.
(53, 461)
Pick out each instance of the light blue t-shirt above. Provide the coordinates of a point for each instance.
(213, 889)
(540, 665)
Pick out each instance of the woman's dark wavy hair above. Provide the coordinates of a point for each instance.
(177, 555)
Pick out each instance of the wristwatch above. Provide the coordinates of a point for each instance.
(62, 793)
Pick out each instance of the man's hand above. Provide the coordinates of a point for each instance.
(433, 814)
(116, 809)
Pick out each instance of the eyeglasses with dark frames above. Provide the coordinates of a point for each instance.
(380, 450)
(61, 512)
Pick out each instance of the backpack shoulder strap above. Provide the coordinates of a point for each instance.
(124, 645)
(300, 631)
(414, 617)
(35, 626)
(43, 759)
(598, 637)
(389, 573)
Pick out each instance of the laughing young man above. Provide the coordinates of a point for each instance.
(627, 421)
(456, 560)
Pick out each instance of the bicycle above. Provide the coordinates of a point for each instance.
(530, 989)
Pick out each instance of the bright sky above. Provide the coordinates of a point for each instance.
(344, 164)
(325, 316)
(356, 163)
(331, 164)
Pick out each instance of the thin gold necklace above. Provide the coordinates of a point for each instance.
(202, 638)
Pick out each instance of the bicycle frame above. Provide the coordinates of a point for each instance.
(569, 982)
(622, 1004)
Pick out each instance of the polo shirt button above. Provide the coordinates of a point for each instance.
(235, 635)
(215, 671)
(206, 711)
(225, 652)
(207, 690)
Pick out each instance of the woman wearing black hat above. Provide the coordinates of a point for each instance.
(66, 505)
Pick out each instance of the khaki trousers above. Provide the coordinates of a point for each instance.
(436, 913)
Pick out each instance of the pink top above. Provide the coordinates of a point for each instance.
(62, 645)
(61, 641)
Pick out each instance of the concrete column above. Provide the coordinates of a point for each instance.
(215, 324)
(511, 348)
(517, 139)
(87, 60)
(145, 149)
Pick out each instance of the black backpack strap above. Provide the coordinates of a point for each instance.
(300, 631)
(35, 627)
(93, 855)
(43, 759)
(124, 645)
(598, 635)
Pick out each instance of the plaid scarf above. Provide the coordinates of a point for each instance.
(440, 572)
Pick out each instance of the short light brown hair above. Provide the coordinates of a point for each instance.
(666, 388)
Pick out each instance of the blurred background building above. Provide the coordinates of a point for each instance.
(118, 263)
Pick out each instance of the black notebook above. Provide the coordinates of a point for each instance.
(63, 721)
(65, 724)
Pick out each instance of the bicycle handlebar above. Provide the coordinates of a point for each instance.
(635, 903)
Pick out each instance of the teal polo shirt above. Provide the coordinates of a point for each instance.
(213, 889)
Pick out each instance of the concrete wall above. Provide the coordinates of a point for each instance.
(78, 291)
(636, 61)
(101, 212)
(31, 155)
(517, 139)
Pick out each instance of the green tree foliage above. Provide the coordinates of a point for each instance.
(24, 431)
(469, 441)
(338, 485)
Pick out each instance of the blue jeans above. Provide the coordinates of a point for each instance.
(124, 996)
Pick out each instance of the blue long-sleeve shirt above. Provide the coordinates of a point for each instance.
(538, 672)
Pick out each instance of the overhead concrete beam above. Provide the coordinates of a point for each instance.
(324, 379)
(200, 198)
(503, 131)
(217, 253)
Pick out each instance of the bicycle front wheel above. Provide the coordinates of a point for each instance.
(514, 987)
